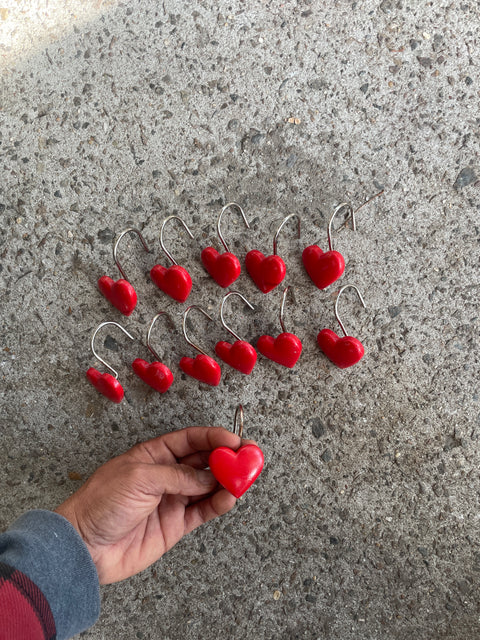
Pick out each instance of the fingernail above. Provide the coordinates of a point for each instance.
(205, 477)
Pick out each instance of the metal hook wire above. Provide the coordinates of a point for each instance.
(347, 286)
(92, 344)
(275, 238)
(230, 205)
(115, 247)
(149, 346)
(282, 306)
(238, 420)
(337, 209)
(369, 200)
(352, 213)
(232, 293)
(167, 252)
(184, 325)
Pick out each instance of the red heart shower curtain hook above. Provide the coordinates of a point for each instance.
(240, 355)
(286, 348)
(225, 267)
(106, 383)
(237, 470)
(325, 268)
(175, 281)
(268, 271)
(202, 367)
(121, 293)
(156, 374)
(346, 351)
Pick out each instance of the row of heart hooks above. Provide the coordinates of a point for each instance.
(267, 273)
(285, 350)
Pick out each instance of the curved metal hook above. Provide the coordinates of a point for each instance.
(149, 346)
(282, 306)
(232, 293)
(337, 209)
(115, 247)
(167, 253)
(275, 238)
(238, 420)
(347, 286)
(184, 325)
(92, 343)
(230, 205)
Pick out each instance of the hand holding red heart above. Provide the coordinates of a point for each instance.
(135, 507)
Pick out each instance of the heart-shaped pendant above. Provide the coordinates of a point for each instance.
(175, 281)
(120, 293)
(323, 268)
(285, 349)
(266, 271)
(223, 267)
(203, 368)
(344, 352)
(240, 355)
(155, 374)
(106, 384)
(236, 470)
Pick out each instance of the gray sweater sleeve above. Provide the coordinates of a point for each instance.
(47, 548)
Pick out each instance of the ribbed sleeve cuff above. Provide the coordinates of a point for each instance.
(48, 549)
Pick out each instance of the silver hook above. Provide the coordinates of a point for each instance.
(230, 205)
(337, 209)
(115, 247)
(232, 293)
(149, 346)
(282, 306)
(347, 286)
(92, 344)
(168, 254)
(184, 325)
(238, 420)
(275, 238)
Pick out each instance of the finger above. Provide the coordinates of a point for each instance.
(197, 460)
(187, 441)
(200, 459)
(177, 479)
(216, 505)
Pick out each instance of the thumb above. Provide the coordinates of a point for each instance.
(180, 479)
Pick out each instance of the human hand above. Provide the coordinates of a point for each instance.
(136, 506)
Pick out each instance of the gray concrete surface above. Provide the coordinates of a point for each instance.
(365, 521)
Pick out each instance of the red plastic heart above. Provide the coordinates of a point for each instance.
(174, 281)
(203, 368)
(266, 271)
(344, 352)
(223, 267)
(285, 349)
(323, 268)
(155, 374)
(236, 470)
(106, 384)
(240, 355)
(120, 293)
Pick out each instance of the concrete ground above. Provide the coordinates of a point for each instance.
(365, 521)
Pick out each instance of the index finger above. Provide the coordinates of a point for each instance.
(184, 442)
